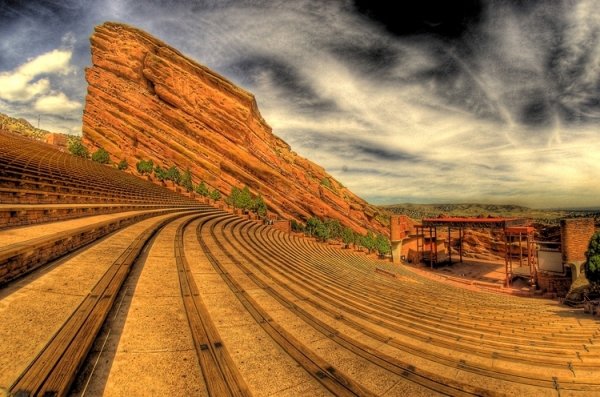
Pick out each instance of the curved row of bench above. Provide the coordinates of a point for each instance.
(521, 343)
(42, 185)
(33, 172)
(466, 343)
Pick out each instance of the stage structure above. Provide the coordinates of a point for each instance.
(514, 230)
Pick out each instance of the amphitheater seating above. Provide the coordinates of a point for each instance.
(33, 172)
(12, 215)
(40, 184)
(505, 339)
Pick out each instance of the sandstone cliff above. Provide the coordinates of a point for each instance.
(147, 100)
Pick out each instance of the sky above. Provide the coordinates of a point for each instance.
(449, 102)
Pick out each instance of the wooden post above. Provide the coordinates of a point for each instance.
(530, 253)
(449, 246)
(430, 247)
(506, 261)
(461, 234)
(520, 250)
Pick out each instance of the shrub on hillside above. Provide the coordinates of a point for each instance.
(335, 228)
(215, 195)
(160, 173)
(123, 165)
(322, 232)
(358, 239)
(319, 229)
(202, 189)
(326, 182)
(101, 156)
(144, 166)
(186, 180)
(382, 245)
(174, 175)
(369, 241)
(240, 198)
(259, 206)
(76, 148)
(347, 236)
(311, 225)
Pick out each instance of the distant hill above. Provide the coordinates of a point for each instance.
(419, 211)
(22, 127)
(26, 129)
(543, 216)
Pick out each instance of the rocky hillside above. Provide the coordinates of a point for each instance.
(420, 211)
(22, 127)
(148, 101)
(541, 216)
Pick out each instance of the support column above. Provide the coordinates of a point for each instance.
(422, 255)
(575, 270)
(520, 250)
(430, 248)
(529, 254)
(461, 234)
(449, 246)
(506, 256)
(396, 251)
(434, 241)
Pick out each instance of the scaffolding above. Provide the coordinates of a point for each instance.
(512, 235)
(514, 229)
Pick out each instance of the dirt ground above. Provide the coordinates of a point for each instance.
(478, 272)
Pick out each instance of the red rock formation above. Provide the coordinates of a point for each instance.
(147, 101)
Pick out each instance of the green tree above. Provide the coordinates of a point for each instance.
(233, 197)
(368, 241)
(347, 236)
(245, 200)
(76, 148)
(101, 156)
(259, 206)
(592, 265)
(123, 165)
(322, 232)
(174, 175)
(335, 228)
(215, 195)
(160, 173)
(186, 180)
(382, 245)
(202, 190)
(144, 166)
(241, 198)
(358, 239)
(312, 224)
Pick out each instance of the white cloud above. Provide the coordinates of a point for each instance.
(55, 61)
(55, 103)
(22, 84)
(17, 87)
